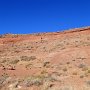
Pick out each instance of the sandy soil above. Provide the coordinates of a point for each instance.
(46, 61)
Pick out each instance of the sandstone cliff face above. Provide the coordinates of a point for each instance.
(46, 61)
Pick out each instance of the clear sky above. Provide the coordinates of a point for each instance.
(31, 16)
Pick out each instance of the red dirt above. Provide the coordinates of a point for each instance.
(65, 56)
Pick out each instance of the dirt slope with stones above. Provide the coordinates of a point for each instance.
(46, 61)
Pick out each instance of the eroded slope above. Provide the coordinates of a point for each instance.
(46, 61)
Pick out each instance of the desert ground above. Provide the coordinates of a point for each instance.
(46, 61)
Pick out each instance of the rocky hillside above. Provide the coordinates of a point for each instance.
(46, 61)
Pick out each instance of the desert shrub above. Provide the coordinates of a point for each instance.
(14, 61)
(28, 65)
(26, 58)
(82, 76)
(88, 82)
(17, 51)
(82, 65)
(86, 74)
(88, 71)
(65, 69)
(33, 80)
(45, 64)
(3, 61)
(84, 68)
(47, 86)
(14, 85)
(68, 62)
(75, 73)
(73, 60)
(44, 72)
(3, 78)
(38, 80)
(53, 78)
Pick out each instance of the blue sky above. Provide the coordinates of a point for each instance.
(31, 16)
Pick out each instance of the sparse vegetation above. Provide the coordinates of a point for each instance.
(81, 65)
(33, 80)
(88, 71)
(88, 82)
(3, 79)
(29, 65)
(84, 68)
(46, 64)
(26, 58)
(82, 76)
(14, 61)
(44, 72)
(49, 61)
(75, 73)
(68, 62)
(65, 69)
